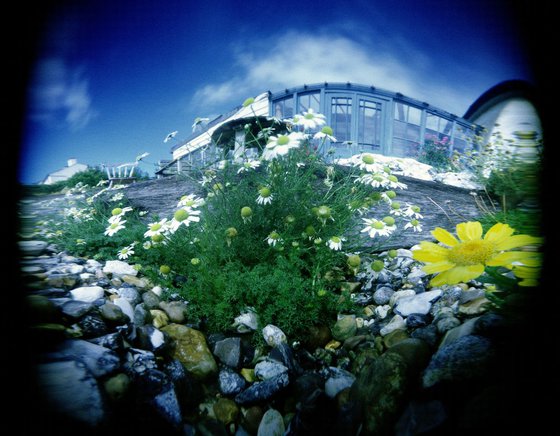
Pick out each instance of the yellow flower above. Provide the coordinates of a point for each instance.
(464, 259)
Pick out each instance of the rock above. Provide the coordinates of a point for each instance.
(471, 294)
(401, 294)
(141, 315)
(381, 312)
(396, 323)
(151, 300)
(418, 303)
(175, 310)
(268, 369)
(44, 335)
(415, 320)
(112, 341)
(455, 333)
(99, 361)
(87, 293)
(76, 309)
(446, 323)
(248, 374)
(225, 410)
(157, 290)
(428, 334)
(416, 354)
(464, 359)
(113, 313)
(317, 336)
(159, 318)
(252, 418)
(70, 391)
(246, 322)
(151, 339)
(118, 268)
(264, 390)
(273, 336)
(140, 283)
(230, 382)
(383, 295)
(272, 424)
(380, 391)
(475, 307)
(228, 351)
(93, 326)
(129, 294)
(139, 361)
(32, 248)
(117, 386)
(394, 337)
(344, 328)
(191, 350)
(283, 353)
(188, 389)
(125, 307)
(338, 379)
(421, 417)
(416, 276)
(40, 309)
(155, 391)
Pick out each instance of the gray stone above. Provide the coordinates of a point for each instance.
(40, 309)
(176, 310)
(117, 386)
(401, 294)
(139, 361)
(119, 268)
(338, 379)
(151, 300)
(455, 333)
(92, 326)
(112, 341)
(344, 328)
(272, 424)
(419, 303)
(150, 338)
(87, 293)
(113, 313)
(396, 323)
(415, 320)
(273, 335)
(228, 351)
(125, 306)
(155, 389)
(383, 295)
(32, 248)
(264, 390)
(70, 390)
(268, 369)
(100, 361)
(230, 382)
(130, 294)
(416, 276)
(428, 334)
(464, 359)
(447, 323)
(246, 322)
(76, 309)
(142, 316)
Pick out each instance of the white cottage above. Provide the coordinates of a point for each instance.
(65, 173)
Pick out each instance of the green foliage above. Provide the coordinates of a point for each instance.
(523, 221)
(513, 183)
(435, 152)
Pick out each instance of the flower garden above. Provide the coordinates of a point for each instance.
(287, 237)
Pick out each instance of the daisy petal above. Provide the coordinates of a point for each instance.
(458, 274)
(498, 232)
(437, 267)
(517, 241)
(444, 236)
(469, 231)
(507, 258)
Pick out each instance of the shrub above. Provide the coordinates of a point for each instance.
(435, 152)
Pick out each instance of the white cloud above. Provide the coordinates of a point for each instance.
(297, 58)
(60, 95)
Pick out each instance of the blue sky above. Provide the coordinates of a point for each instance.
(113, 78)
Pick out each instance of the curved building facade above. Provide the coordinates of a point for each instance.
(363, 119)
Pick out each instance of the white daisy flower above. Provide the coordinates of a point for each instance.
(335, 243)
(375, 180)
(183, 217)
(413, 224)
(147, 245)
(117, 197)
(325, 133)
(393, 182)
(265, 196)
(273, 238)
(249, 165)
(114, 227)
(376, 227)
(117, 213)
(366, 162)
(190, 201)
(310, 119)
(126, 252)
(413, 212)
(157, 228)
(280, 145)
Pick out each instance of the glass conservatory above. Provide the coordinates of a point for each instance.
(363, 119)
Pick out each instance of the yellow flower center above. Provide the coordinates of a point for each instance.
(368, 159)
(471, 252)
(283, 140)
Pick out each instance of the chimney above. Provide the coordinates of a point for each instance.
(72, 162)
